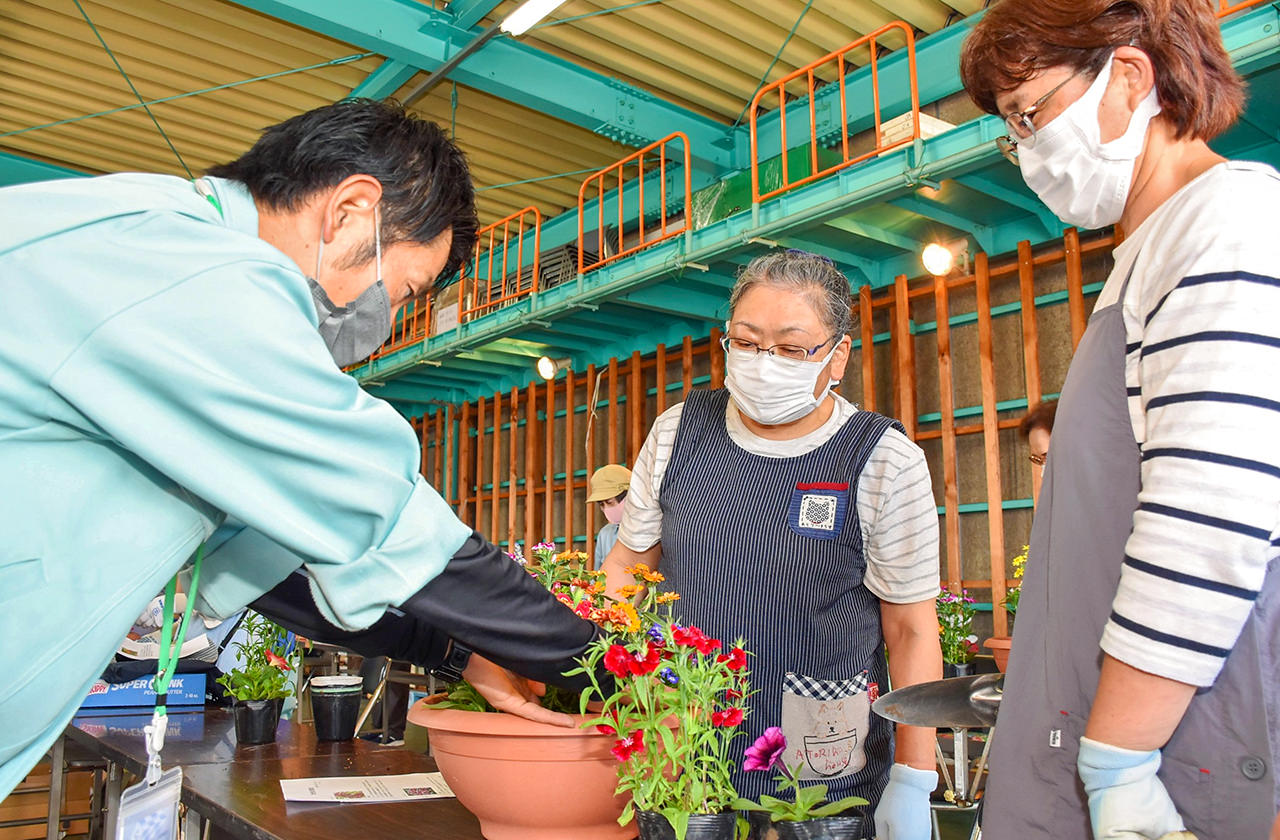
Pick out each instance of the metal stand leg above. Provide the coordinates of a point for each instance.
(57, 775)
(111, 801)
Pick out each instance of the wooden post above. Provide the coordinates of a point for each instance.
(991, 443)
(635, 408)
(570, 446)
(866, 326)
(479, 474)
(660, 378)
(439, 445)
(530, 470)
(513, 478)
(1075, 284)
(450, 485)
(951, 502)
(1030, 341)
(611, 439)
(686, 366)
(593, 425)
(717, 358)
(905, 363)
(464, 466)
(548, 467)
(496, 459)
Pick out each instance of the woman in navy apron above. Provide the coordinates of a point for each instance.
(757, 503)
(1141, 695)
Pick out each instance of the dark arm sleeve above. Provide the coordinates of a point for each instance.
(482, 599)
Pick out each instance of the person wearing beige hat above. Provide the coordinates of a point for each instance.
(608, 488)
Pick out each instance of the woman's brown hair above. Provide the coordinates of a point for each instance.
(1200, 93)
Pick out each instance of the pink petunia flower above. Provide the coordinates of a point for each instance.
(766, 751)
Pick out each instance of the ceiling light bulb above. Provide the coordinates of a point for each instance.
(527, 14)
(937, 259)
(549, 367)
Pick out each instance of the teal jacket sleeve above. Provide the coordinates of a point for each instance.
(221, 382)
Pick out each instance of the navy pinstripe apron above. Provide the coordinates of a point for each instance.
(770, 550)
(1219, 765)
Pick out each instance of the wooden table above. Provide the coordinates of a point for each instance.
(237, 788)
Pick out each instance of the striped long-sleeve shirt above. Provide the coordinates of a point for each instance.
(894, 498)
(1202, 368)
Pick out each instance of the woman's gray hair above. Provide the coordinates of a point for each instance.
(801, 271)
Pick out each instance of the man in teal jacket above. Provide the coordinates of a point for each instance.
(170, 368)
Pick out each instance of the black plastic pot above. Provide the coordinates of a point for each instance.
(654, 826)
(335, 713)
(840, 827)
(256, 720)
(949, 670)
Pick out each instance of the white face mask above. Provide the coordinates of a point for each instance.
(613, 512)
(773, 390)
(1084, 181)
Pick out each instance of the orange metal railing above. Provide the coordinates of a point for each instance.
(499, 274)
(838, 66)
(1226, 7)
(627, 177)
(411, 324)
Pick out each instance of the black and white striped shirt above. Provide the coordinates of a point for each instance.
(1202, 369)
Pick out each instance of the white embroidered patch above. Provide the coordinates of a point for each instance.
(818, 511)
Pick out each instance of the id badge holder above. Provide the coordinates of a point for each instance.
(150, 812)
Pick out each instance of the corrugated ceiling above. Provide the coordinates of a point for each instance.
(705, 55)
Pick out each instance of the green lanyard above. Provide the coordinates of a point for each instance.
(168, 665)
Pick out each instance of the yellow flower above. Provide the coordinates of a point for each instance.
(630, 590)
(668, 597)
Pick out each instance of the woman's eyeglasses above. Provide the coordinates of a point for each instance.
(1038, 460)
(1022, 129)
(786, 351)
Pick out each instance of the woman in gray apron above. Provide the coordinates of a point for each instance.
(1141, 693)
(785, 516)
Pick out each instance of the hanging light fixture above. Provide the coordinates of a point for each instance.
(937, 259)
(548, 368)
(527, 14)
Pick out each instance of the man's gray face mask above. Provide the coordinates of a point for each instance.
(353, 332)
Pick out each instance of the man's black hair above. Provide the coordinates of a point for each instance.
(426, 186)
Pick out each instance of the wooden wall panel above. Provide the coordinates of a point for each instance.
(966, 426)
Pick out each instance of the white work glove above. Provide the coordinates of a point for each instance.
(903, 812)
(1127, 801)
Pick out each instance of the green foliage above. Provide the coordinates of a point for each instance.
(809, 802)
(267, 663)
(462, 695)
(955, 628)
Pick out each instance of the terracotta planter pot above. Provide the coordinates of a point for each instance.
(999, 647)
(526, 780)
(654, 826)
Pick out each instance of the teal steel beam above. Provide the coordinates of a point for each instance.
(872, 232)
(384, 81)
(944, 215)
(674, 300)
(467, 13)
(16, 169)
(414, 33)
(868, 269)
(1023, 201)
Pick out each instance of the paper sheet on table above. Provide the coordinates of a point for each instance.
(403, 788)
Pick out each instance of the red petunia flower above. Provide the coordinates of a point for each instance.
(278, 661)
(605, 729)
(726, 717)
(732, 694)
(626, 747)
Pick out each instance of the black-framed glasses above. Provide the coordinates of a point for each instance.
(794, 352)
(1022, 129)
